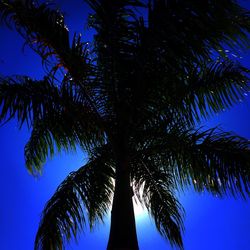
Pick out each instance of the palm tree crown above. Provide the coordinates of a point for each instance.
(133, 100)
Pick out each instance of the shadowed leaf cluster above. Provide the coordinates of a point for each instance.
(158, 68)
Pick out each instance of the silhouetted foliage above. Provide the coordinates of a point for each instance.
(133, 100)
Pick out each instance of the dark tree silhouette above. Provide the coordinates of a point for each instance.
(133, 100)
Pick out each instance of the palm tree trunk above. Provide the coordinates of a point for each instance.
(123, 229)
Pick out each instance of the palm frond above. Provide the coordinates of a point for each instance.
(84, 197)
(155, 188)
(47, 134)
(223, 163)
(208, 89)
(44, 30)
(179, 64)
(27, 99)
(38, 148)
(59, 116)
(212, 160)
(216, 24)
(63, 131)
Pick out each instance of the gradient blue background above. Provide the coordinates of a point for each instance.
(211, 223)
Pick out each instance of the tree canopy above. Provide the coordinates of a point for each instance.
(137, 93)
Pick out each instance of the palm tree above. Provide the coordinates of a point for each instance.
(133, 100)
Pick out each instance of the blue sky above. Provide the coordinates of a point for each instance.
(211, 223)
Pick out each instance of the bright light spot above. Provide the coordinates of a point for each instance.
(139, 211)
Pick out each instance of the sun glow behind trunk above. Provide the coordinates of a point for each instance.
(139, 210)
